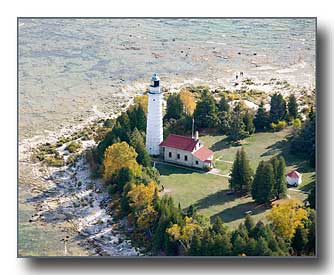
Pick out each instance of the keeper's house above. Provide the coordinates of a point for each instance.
(186, 151)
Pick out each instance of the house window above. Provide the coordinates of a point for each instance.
(185, 158)
(178, 156)
(170, 154)
(196, 162)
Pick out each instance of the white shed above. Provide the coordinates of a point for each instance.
(294, 178)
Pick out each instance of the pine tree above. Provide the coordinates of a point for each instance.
(137, 142)
(241, 174)
(292, 107)
(206, 113)
(261, 120)
(262, 248)
(248, 122)
(246, 171)
(235, 179)
(280, 188)
(299, 240)
(277, 108)
(237, 130)
(175, 108)
(263, 183)
(249, 223)
(223, 105)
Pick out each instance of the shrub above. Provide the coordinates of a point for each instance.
(280, 125)
(73, 147)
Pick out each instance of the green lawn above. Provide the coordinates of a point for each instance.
(209, 192)
(260, 146)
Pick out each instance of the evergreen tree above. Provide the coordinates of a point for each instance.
(237, 129)
(175, 108)
(242, 173)
(223, 105)
(249, 223)
(292, 107)
(224, 122)
(263, 183)
(299, 240)
(277, 108)
(261, 120)
(311, 198)
(248, 122)
(206, 113)
(303, 142)
(262, 248)
(280, 188)
(246, 171)
(137, 142)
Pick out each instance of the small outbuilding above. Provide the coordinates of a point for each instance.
(294, 178)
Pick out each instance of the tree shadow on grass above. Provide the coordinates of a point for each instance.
(217, 198)
(239, 211)
(282, 147)
(220, 145)
(166, 170)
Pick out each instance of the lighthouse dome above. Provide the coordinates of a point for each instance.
(155, 77)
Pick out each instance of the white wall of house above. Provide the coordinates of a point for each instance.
(293, 181)
(182, 157)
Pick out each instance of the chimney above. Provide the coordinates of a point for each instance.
(196, 135)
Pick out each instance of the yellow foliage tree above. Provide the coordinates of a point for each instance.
(184, 234)
(141, 202)
(142, 100)
(286, 217)
(117, 156)
(188, 101)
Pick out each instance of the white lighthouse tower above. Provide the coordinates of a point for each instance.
(154, 117)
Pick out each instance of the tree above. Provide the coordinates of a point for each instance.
(184, 234)
(141, 198)
(137, 117)
(248, 122)
(286, 216)
(205, 114)
(292, 107)
(175, 108)
(117, 156)
(188, 101)
(249, 223)
(137, 142)
(299, 240)
(236, 129)
(262, 187)
(277, 108)
(303, 141)
(223, 105)
(241, 174)
(141, 100)
(279, 188)
(261, 120)
(311, 198)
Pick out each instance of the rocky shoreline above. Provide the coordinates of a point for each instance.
(67, 197)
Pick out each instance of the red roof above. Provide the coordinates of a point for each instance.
(294, 174)
(203, 154)
(179, 142)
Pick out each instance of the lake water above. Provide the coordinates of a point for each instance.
(69, 66)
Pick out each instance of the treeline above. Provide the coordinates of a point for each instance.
(236, 121)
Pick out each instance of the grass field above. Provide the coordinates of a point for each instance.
(209, 192)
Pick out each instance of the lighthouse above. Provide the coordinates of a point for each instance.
(154, 132)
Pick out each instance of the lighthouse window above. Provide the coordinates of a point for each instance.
(170, 154)
(185, 158)
(178, 156)
(196, 162)
(153, 99)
